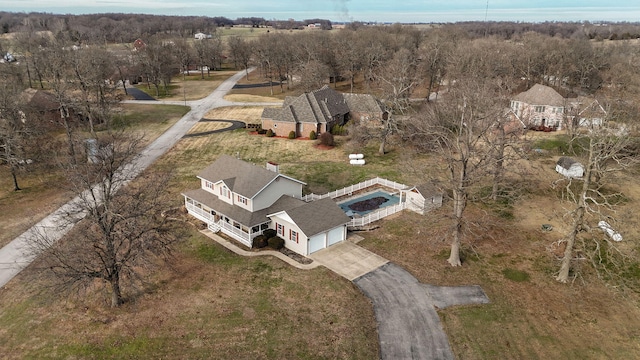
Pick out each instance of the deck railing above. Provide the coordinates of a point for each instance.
(353, 188)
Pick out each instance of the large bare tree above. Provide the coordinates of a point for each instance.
(607, 149)
(119, 234)
(457, 129)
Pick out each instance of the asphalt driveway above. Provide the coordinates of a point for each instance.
(408, 324)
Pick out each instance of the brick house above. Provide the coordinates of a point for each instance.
(319, 111)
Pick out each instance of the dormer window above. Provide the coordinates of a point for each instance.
(224, 191)
(242, 199)
(208, 185)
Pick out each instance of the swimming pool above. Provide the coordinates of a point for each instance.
(389, 200)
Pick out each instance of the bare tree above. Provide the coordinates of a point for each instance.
(120, 234)
(456, 129)
(608, 150)
(15, 132)
(397, 79)
(241, 52)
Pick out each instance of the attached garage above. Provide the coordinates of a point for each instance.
(316, 243)
(336, 235)
(316, 225)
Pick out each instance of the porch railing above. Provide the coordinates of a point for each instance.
(199, 213)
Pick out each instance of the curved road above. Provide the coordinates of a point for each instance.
(16, 255)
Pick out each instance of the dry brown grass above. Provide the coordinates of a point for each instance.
(42, 187)
(247, 114)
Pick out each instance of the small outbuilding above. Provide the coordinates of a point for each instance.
(422, 198)
(570, 168)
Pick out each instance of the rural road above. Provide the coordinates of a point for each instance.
(16, 255)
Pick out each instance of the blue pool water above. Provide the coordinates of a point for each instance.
(392, 200)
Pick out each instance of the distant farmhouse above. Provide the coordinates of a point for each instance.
(320, 110)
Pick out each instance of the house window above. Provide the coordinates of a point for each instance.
(559, 110)
(208, 185)
(293, 235)
(539, 109)
(280, 229)
(224, 191)
(242, 199)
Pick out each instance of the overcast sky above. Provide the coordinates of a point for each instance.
(353, 10)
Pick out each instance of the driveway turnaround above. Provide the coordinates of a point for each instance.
(408, 324)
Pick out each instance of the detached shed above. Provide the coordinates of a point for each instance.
(422, 198)
(569, 167)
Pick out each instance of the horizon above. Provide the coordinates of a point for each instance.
(410, 11)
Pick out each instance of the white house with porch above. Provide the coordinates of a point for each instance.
(242, 200)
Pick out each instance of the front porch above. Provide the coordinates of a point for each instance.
(217, 221)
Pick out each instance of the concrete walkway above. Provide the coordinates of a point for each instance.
(236, 249)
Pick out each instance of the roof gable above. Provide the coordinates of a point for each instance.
(541, 95)
(241, 177)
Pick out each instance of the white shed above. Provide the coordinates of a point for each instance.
(569, 167)
(422, 198)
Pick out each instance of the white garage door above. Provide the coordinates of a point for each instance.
(316, 243)
(335, 236)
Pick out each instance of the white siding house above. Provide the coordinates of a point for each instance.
(242, 200)
(540, 107)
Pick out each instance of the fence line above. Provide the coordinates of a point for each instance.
(377, 215)
(352, 188)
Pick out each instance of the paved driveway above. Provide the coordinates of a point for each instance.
(405, 309)
(348, 259)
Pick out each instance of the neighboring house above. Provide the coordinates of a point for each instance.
(422, 198)
(569, 167)
(139, 45)
(586, 112)
(44, 107)
(319, 111)
(242, 200)
(540, 107)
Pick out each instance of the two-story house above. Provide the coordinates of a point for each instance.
(540, 107)
(242, 200)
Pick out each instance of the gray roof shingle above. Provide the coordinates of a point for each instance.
(240, 177)
(318, 216)
(541, 95)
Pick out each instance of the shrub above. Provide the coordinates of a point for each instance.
(292, 134)
(269, 233)
(339, 130)
(313, 135)
(276, 243)
(259, 242)
(270, 133)
(326, 139)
